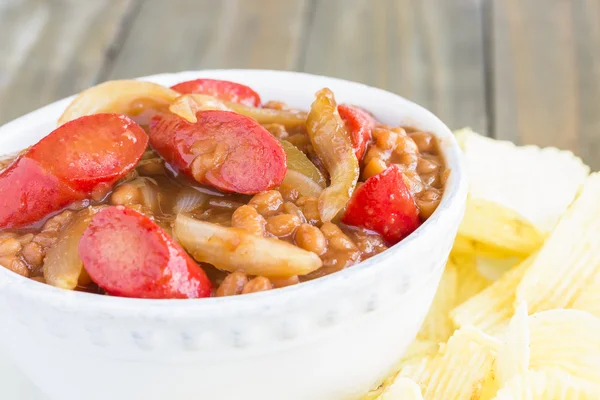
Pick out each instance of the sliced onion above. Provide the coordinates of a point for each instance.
(302, 183)
(118, 97)
(332, 144)
(297, 161)
(289, 119)
(189, 199)
(63, 267)
(233, 249)
(188, 105)
(7, 159)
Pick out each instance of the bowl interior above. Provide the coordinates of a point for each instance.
(297, 90)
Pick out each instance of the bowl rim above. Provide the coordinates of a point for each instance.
(454, 197)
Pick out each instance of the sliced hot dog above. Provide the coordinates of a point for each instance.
(92, 150)
(225, 90)
(359, 124)
(29, 192)
(223, 149)
(128, 255)
(68, 165)
(385, 205)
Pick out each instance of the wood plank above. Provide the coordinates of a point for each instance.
(546, 62)
(51, 49)
(170, 36)
(586, 23)
(429, 51)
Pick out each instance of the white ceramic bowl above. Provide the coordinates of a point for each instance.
(333, 338)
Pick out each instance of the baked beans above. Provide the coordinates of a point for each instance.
(232, 285)
(311, 238)
(267, 203)
(246, 217)
(258, 284)
(283, 225)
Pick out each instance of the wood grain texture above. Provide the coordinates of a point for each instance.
(176, 35)
(430, 51)
(51, 49)
(546, 65)
(527, 71)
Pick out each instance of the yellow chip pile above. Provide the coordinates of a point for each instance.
(517, 312)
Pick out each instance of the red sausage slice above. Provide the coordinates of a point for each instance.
(225, 90)
(29, 192)
(359, 124)
(385, 205)
(92, 150)
(68, 165)
(223, 149)
(128, 255)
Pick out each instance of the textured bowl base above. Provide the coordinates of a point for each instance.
(14, 385)
(109, 374)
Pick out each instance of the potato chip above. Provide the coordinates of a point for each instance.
(489, 387)
(589, 297)
(570, 256)
(469, 280)
(419, 371)
(402, 389)
(460, 369)
(438, 326)
(414, 358)
(460, 281)
(494, 268)
(513, 357)
(499, 227)
(537, 184)
(419, 349)
(567, 340)
(491, 309)
(467, 246)
(548, 385)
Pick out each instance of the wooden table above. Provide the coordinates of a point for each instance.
(524, 70)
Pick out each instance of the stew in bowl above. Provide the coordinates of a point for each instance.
(203, 190)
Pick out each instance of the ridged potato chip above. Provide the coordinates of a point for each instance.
(419, 371)
(438, 326)
(492, 309)
(589, 297)
(419, 349)
(514, 354)
(460, 369)
(548, 385)
(494, 268)
(469, 279)
(402, 389)
(414, 358)
(498, 227)
(461, 280)
(567, 340)
(489, 387)
(470, 247)
(537, 184)
(570, 256)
